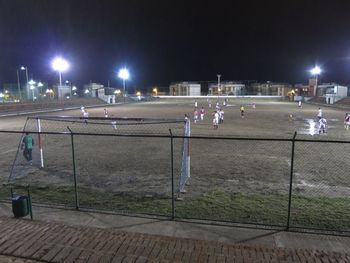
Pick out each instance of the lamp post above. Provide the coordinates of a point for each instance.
(218, 85)
(19, 86)
(124, 75)
(60, 65)
(32, 87)
(27, 85)
(315, 72)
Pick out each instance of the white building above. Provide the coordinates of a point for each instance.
(332, 92)
(63, 91)
(185, 89)
(99, 91)
(226, 88)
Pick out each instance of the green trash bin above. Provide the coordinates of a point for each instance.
(20, 206)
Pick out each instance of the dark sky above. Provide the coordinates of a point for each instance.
(164, 41)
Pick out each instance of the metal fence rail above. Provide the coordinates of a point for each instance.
(286, 183)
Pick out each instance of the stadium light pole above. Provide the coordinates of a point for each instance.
(124, 75)
(60, 65)
(32, 83)
(19, 86)
(27, 85)
(218, 75)
(315, 72)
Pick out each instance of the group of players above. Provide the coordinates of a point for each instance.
(217, 115)
(322, 122)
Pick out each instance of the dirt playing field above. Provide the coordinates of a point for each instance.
(142, 165)
(232, 178)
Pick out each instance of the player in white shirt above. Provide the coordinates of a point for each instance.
(195, 104)
(82, 108)
(105, 113)
(85, 115)
(299, 104)
(221, 113)
(195, 115)
(114, 124)
(322, 125)
(202, 112)
(215, 119)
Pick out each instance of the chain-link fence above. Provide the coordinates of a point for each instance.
(286, 183)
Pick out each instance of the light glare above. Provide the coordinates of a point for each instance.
(316, 70)
(60, 64)
(123, 74)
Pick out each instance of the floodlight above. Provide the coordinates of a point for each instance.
(316, 70)
(59, 64)
(31, 82)
(123, 74)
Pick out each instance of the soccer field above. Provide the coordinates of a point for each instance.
(227, 176)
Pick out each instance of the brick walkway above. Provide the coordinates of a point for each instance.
(34, 241)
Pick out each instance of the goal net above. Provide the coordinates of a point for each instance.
(137, 160)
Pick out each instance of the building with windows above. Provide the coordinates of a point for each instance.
(227, 88)
(270, 89)
(333, 92)
(185, 89)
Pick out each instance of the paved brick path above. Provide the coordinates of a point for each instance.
(33, 241)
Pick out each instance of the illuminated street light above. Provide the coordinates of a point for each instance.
(18, 83)
(32, 88)
(86, 91)
(117, 91)
(2, 95)
(155, 90)
(315, 72)
(31, 82)
(60, 65)
(74, 88)
(218, 75)
(124, 75)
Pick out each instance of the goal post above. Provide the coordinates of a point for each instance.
(97, 126)
(186, 158)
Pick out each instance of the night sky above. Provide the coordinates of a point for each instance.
(165, 41)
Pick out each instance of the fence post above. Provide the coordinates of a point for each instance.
(74, 171)
(291, 181)
(172, 175)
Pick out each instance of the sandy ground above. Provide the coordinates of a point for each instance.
(142, 166)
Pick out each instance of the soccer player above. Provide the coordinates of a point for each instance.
(105, 113)
(195, 115)
(254, 106)
(85, 115)
(242, 111)
(82, 108)
(186, 117)
(319, 114)
(114, 124)
(299, 104)
(195, 104)
(27, 147)
(347, 121)
(221, 114)
(322, 125)
(202, 112)
(215, 120)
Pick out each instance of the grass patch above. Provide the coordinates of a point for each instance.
(270, 209)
